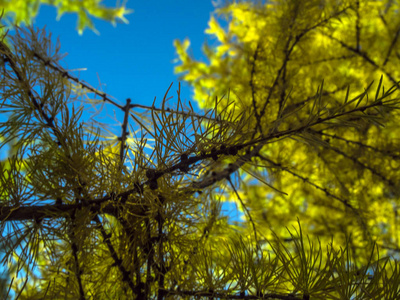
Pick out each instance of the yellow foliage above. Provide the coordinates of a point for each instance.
(295, 59)
(24, 11)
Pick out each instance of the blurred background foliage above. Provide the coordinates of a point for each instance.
(22, 12)
(277, 57)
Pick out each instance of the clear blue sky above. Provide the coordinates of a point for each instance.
(134, 60)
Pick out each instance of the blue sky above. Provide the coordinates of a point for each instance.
(133, 60)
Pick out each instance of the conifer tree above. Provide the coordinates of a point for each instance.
(298, 127)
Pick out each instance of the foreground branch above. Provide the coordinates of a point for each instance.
(38, 212)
